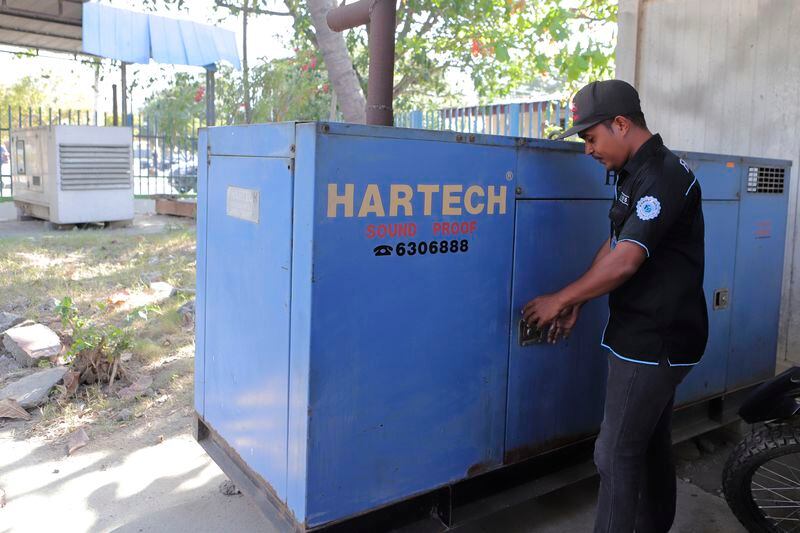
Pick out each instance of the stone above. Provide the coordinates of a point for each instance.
(186, 312)
(136, 388)
(49, 306)
(125, 414)
(7, 365)
(29, 344)
(228, 488)
(8, 320)
(152, 277)
(33, 390)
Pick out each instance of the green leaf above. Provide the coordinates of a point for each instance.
(501, 52)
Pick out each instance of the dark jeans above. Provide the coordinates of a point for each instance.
(633, 452)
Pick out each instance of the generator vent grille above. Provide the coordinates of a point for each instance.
(87, 167)
(768, 180)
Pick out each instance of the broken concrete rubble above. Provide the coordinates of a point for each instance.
(8, 320)
(162, 289)
(31, 343)
(33, 390)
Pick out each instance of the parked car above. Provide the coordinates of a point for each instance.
(183, 177)
(3, 154)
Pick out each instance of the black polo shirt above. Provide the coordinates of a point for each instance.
(660, 312)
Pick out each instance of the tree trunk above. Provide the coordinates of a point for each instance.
(340, 66)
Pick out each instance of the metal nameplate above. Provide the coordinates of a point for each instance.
(243, 203)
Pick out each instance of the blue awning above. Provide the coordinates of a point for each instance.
(138, 37)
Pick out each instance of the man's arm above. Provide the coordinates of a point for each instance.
(610, 269)
(562, 326)
(602, 252)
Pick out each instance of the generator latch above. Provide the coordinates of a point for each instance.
(529, 335)
(721, 299)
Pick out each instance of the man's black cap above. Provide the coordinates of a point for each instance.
(599, 101)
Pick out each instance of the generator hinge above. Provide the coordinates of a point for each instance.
(208, 155)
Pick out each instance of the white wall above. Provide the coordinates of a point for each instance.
(723, 76)
(8, 211)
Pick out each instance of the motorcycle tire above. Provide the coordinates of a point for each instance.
(764, 444)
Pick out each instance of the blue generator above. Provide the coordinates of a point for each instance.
(359, 288)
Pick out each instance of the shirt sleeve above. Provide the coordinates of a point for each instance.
(657, 205)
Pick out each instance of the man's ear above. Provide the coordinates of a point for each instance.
(621, 125)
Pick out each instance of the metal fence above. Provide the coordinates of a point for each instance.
(163, 163)
(539, 119)
(166, 163)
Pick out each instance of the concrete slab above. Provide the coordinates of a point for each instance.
(142, 225)
(129, 482)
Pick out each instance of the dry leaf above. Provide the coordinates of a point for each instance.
(71, 381)
(77, 440)
(119, 297)
(9, 408)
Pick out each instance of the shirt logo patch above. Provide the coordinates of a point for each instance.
(624, 198)
(648, 208)
(685, 165)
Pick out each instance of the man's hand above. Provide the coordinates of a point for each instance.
(543, 310)
(562, 326)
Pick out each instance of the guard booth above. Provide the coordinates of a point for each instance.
(359, 343)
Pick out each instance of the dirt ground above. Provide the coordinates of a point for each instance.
(142, 469)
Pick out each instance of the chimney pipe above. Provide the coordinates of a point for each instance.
(380, 16)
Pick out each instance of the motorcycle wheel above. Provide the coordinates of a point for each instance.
(761, 479)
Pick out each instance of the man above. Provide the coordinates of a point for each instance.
(652, 268)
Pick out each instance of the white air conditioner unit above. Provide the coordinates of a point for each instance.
(73, 174)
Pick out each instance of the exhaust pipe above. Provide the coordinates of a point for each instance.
(380, 17)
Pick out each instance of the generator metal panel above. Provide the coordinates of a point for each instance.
(557, 169)
(556, 391)
(200, 297)
(408, 349)
(246, 280)
(719, 176)
(302, 283)
(756, 292)
(708, 377)
(254, 140)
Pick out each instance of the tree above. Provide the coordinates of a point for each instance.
(291, 89)
(23, 95)
(286, 89)
(337, 60)
(172, 115)
(500, 44)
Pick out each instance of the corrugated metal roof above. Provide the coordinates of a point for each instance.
(43, 24)
(137, 37)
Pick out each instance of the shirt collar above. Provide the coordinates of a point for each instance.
(644, 153)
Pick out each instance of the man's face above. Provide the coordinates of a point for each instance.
(605, 144)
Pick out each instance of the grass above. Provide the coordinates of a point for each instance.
(90, 266)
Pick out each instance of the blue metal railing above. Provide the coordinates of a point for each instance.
(529, 119)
